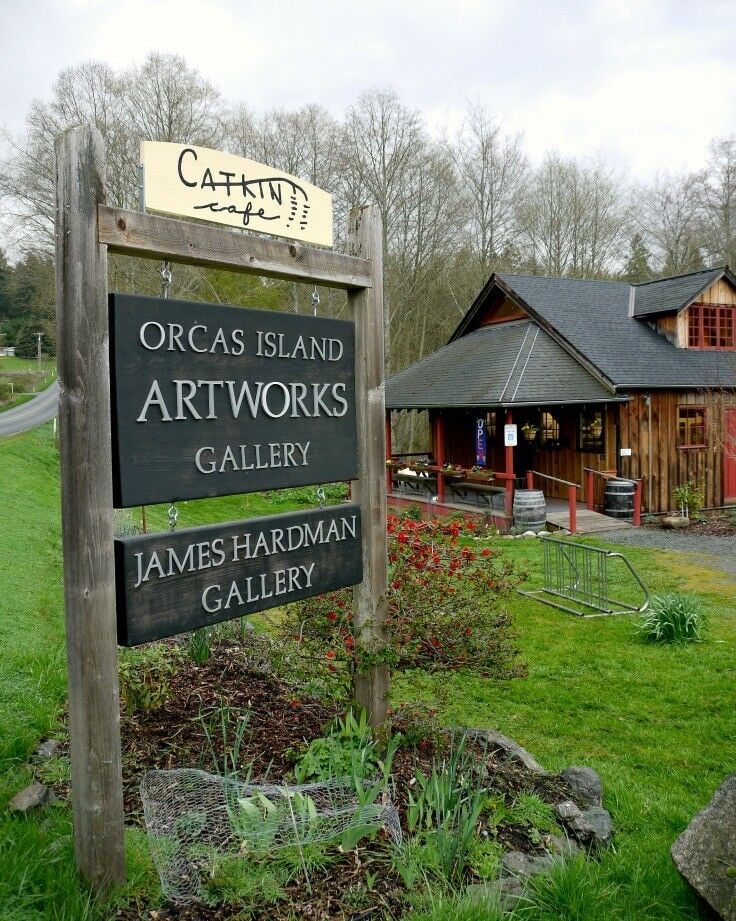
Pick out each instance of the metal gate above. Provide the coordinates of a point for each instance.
(579, 573)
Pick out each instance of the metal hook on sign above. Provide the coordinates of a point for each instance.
(173, 516)
(321, 496)
(166, 278)
(315, 301)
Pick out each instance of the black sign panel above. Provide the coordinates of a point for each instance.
(210, 400)
(178, 581)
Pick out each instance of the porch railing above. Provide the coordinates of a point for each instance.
(605, 475)
(572, 494)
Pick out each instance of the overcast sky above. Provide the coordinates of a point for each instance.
(645, 84)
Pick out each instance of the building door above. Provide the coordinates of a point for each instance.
(729, 457)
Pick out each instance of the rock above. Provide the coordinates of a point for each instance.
(511, 750)
(544, 533)
(705, 853)
(521, 865)
(599, 819)
(675, 522)
(529, 534)
(30, 798)
(591, 827)
(47, 750)
(500, 893)
(585, 784)
(565, 847)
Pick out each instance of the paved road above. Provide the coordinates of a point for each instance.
(40, 409)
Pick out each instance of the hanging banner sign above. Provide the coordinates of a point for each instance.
(481, 453)
(210, 400)
(210, 185)
(178, 581)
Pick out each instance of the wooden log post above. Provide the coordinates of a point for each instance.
(86, 510)
(369, 490)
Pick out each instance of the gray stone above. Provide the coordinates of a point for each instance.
(675, 522)
(30, 798)
(529, 534)
(591, 827)
(512, 751)
(501, 894)
(521, 865)
(705, 853)
(584, 784)
(47, 750)
(565, 847)
(599, 820)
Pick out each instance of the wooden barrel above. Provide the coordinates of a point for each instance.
(618, 499)
(530, 509)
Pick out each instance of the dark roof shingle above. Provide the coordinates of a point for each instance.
(504, 364)
(668, 294)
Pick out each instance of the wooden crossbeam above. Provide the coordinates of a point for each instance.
(150, 236)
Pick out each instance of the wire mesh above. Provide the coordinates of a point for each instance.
(193, 818)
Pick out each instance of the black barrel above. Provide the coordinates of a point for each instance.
(618, 499)
(530, 509)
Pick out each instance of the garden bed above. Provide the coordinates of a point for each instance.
(713, 525)
(196, 725)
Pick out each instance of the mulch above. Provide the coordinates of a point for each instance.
(198, 722)
(714, 526)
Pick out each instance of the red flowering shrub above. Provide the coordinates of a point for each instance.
(445, 609)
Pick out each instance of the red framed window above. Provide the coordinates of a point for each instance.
(711, 326)
(691, 427)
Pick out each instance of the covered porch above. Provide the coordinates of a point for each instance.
(508, 408)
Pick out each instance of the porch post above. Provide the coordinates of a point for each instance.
(589, 490)
(572, 499)
(509, 503)
(439, 454)
(637, 504)
(389, 449)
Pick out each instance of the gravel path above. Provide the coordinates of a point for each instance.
(715, 551)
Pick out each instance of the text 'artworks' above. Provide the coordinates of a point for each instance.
(211, 401)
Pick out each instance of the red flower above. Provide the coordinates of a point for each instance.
(396, 584)
(330, 654)
(486, 552)
(332, 616)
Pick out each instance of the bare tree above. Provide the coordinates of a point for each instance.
(669, 219)
(717, 200)
(491, 169)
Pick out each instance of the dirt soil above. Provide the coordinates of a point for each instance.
(187, 731)
(714, 525)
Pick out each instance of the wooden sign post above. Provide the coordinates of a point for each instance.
(86, 229)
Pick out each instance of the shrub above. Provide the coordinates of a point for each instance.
(444, 610)
(672, 618)
(689, 496)
(145, 676)
(6, 390)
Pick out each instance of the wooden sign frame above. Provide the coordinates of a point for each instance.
(86, 230)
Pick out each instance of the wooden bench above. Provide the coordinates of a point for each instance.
(479, 491)
(420, 485)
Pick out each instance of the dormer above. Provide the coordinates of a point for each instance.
(694, 311)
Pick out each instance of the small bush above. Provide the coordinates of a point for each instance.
(145, 676)
(672, 618)
(689, 496)
(6, 390)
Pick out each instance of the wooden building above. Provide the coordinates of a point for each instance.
(600, 377)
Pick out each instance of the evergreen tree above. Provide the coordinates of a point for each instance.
(638, 267)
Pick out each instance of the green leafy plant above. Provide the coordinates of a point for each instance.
(225, 732)
(244, 882)
(199, 646)
(348, 741)
(484, 858)
(539, 817)
(145, 676)
(689, 496)
(672, 618)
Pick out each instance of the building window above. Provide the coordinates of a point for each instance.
(711, 326)
(691, 426)
(549, 431)
(590, 431)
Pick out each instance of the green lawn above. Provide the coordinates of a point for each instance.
(16, 401)
(657, 723)
(26, 364)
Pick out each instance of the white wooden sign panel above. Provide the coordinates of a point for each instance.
(210, 185)
(510, 435)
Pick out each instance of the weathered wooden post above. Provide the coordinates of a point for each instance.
(86, 509)
(369, 490)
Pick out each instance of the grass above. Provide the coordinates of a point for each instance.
(18, 400)
(657, 722)
(8, 363)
